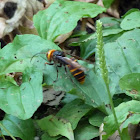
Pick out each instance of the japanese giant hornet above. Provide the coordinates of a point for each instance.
(58, 57)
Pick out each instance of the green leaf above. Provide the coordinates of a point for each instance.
(16, 56)
(22, 101)
(45, 136)
(111, 32)
(55, 126)
(107, 3)
(23, 129)
(87, 48)
(85, 131)
(130, 11)
(68, 98)
(88, 45)
(125, 134)
(96, 119)
(110, 22)
(131, 21)
(62, 16)
(74, 111)
(122, 57)
(25, 46)
(127, 113)
(93, 91)
(131, 83)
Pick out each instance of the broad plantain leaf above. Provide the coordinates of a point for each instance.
(129, 12)
(62, 16)
(23, 129)
(110, 22)
(22, 101)
(122, 57)
(74, 111)
(131, 21)
(46, 136)
(111, 32)
(55, 126)
(87, 46)
(96, 119)
(24, 47)
(85, 131)
(127, 113)
(131, 83)
(93, 91)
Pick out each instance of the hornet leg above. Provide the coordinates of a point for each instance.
(56, 69)
(49, 63)
(68, 74)
(57, 74)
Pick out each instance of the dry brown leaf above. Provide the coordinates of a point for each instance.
(60, 39)
(2, 26)
(48, 3)
(52, 97)
(113, 10)
(22, 16)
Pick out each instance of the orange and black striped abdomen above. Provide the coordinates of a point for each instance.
(78, 73)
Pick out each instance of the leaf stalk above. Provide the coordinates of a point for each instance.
(7, 131)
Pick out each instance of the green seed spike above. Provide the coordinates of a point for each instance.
(101, 64)
(100, 52)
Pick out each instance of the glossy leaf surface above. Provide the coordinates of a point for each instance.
(62, 17)
(74, 111)
(22, 100)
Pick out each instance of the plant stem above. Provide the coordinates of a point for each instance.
(103, 68)
(2, 136)
(113, 110)
(7, 131)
